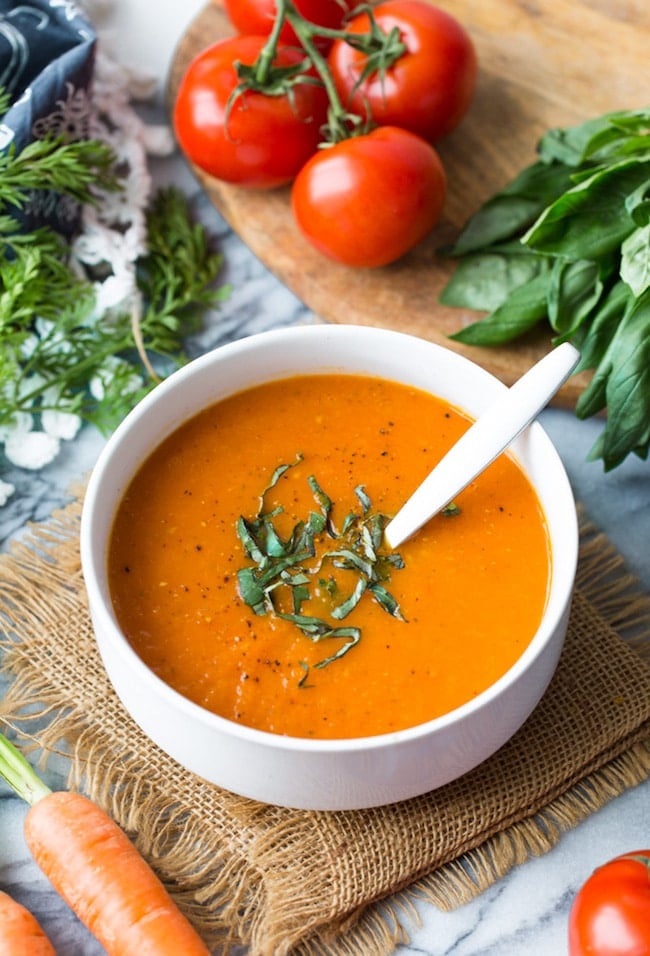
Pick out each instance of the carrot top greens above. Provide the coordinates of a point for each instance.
(288, 572)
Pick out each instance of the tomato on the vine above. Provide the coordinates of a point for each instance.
(257, 140)
(258, 16)
(610, 915)
(367, 200)
(428, 89)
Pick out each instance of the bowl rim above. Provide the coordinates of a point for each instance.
(108, 622)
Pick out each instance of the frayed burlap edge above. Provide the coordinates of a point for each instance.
(226, 912)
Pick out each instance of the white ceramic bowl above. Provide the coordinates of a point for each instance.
(324, 774)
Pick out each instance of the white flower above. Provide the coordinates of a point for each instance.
(107, 373)
(22, 422)
(115, 291)
(97, 243)
(30, 384)
(32, 450)
(63, 425)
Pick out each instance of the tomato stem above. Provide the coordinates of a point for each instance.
(340, 124)
(381, 49)
(264, 62)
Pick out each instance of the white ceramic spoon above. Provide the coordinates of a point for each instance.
(488, 437)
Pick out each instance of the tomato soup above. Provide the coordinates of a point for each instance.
(440, 622)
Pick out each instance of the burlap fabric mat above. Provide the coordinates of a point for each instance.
(285, 881)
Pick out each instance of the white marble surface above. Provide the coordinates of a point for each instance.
(526, 912)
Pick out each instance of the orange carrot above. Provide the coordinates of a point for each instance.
(20, 932)
(97, 870)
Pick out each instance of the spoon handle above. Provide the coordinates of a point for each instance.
(483, 441)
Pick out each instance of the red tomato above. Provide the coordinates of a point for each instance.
(258, 16)
(264, 140)
(429, 88)
(367, 200)
(611, 913)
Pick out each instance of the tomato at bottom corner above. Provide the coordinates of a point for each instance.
(367, 200)
(610, 915)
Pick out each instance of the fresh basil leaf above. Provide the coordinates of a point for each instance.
(274, 546)
(393, 560)
(386, 600)
(363, 498)
(574, 290)
(279, 472)
(299, 596)
(324, 502)
(345, 607)
(302, 683)
(375, 525)
(628, 134)
(483, 280)
(622, 383)
(353, 636)
(594, 340)
(591, 244)
(316, 522)
(250, 591)
(247, 536)
(351, 561)
(642, 449)
(514, 208)
(571, 145)
(638, 204)
(635, 260)
(452, 510)
(367, 544)
(596, 139)
(523, 309)
(590, 221)
(282, 565)
(312, 627)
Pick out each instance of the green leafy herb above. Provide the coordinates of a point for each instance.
(295, 565)
(567, 242)
(452, 510)
(75, 169)
(56, 352)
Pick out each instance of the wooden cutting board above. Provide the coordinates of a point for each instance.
(542, 63)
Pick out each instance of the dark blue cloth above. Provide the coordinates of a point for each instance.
(47, 54)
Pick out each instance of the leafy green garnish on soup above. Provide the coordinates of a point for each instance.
(286, 572)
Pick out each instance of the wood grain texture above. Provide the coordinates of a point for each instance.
(542, 64)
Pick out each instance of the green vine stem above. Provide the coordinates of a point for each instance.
(264, 63)
(381, 49)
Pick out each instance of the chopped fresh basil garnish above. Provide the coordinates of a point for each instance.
(297, 564)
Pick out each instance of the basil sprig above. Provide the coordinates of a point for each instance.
(567, 242)
(295, 564)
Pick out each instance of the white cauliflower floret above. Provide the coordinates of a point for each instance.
(31, 450)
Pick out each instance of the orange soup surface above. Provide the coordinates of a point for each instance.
(465, 604)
